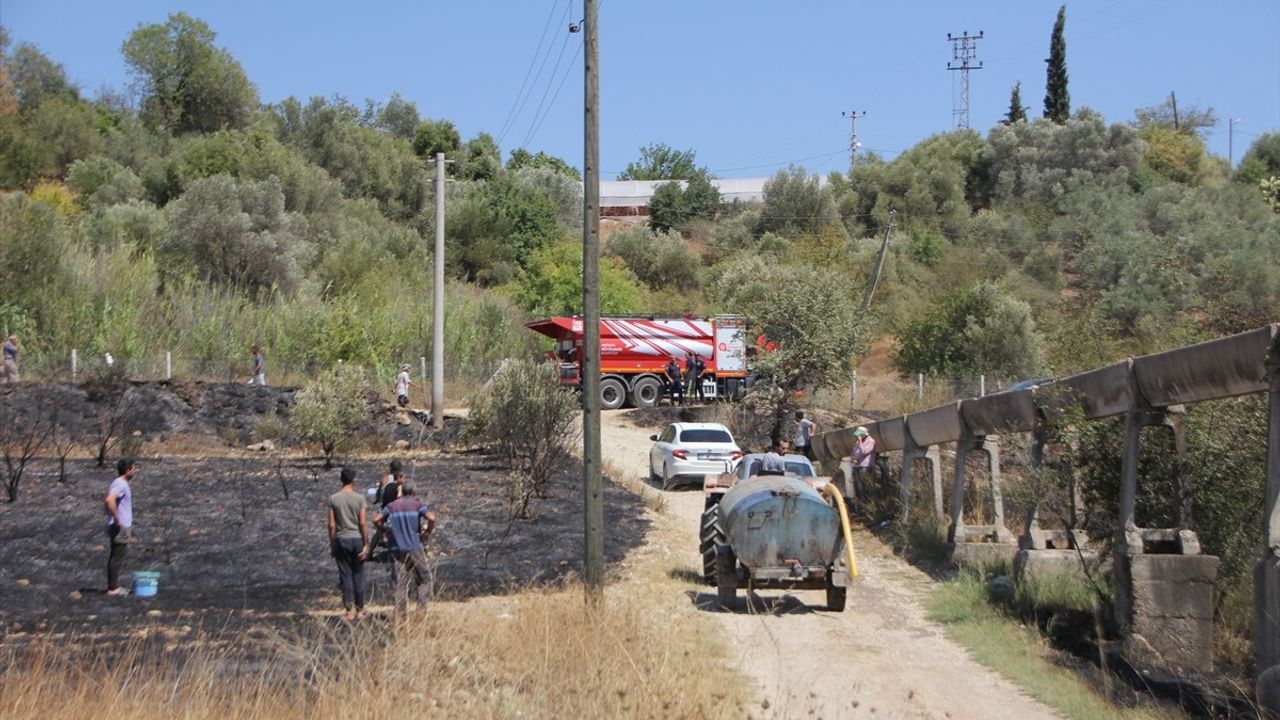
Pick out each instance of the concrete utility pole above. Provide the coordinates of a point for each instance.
(592, 488)
(1231, 142)
(437, 306)
(853, 116)
(964, 51)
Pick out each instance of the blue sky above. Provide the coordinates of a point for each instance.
(749, 85)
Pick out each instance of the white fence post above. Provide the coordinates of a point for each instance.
(426, 395)
(168, 365)
(853, 390)
(73, 365)
(982, 386)
(920, 386)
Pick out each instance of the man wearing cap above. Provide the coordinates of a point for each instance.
(402, 385)
(862, 459)
(403, 520)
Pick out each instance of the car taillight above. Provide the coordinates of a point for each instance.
(735, 455)
(683, 455)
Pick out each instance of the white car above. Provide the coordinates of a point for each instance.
(685, 452)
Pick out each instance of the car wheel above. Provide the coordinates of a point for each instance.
(666, 478)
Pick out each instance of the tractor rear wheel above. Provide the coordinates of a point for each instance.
(726, 576)
(710, 535)
(835, 595)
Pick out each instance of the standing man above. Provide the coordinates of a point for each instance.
(675, 384)
(695, 367)
(11, 359)
(259, 367)
(119, 505)
(803, 434)
(863, 461)
(348, 538)
(403, 384)
(403, 520)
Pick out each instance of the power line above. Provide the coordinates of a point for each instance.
(550, 81)
(567, 71)
(524, 83)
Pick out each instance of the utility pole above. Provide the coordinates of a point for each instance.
(853, 116)
(593, 491)
(1173, 102)
(875, 276)
(964, 52)
(437, 305)
(1231, 142)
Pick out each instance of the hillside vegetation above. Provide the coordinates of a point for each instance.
(202, 221)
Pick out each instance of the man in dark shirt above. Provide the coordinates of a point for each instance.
(695, 370)
(403, 520)
(675, 382)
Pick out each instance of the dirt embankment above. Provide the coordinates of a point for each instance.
(881, 658)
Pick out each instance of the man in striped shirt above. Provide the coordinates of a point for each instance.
(404, 520)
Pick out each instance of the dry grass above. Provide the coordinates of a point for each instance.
(535, 655)
(651, 497)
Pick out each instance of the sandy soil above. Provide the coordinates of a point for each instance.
(880, 658)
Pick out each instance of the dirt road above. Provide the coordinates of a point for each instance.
(880, 658)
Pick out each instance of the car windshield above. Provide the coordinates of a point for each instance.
(801, 469)
(793, 468)
(705, 436)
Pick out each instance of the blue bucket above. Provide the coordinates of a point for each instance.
(146, 583)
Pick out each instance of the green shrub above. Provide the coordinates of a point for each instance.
(329, 410)
(527, 418)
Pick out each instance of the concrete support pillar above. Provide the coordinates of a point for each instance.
(1164, 586)
(930, 455)
(990, 446)
(955, 533)
(934, 458)
(1032, 526)
(1266, 601)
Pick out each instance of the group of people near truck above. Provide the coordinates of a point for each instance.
(401, 522)
(685, 377)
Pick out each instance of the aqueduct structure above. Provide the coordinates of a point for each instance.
(1164, 584)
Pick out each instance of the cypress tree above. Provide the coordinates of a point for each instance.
(1057, 99)
(1016, 111)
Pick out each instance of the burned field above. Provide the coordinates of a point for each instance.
(241, 547)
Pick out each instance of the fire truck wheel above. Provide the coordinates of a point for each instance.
(646, 392)
(612, 395)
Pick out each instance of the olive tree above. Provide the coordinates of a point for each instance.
(329, 411)
(187, 83)
(238, 233)
(802, 323)
(979, 329)
(526, 417)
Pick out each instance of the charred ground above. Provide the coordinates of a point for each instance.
(240, 542)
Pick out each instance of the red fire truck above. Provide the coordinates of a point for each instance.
(634, 351)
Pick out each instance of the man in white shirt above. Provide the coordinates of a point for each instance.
(119, 506)
(803, 434)
(403, 383)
